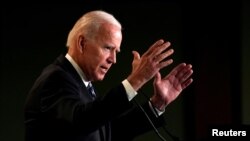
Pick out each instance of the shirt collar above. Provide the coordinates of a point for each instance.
(78, 69)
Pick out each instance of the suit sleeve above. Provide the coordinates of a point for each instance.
(62, 100)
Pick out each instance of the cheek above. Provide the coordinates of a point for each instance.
(97, 61)
(97, 58)
(101, 58)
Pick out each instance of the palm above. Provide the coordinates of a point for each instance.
(169, 87)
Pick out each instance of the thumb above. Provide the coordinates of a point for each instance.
(136, 55)
(157, 77)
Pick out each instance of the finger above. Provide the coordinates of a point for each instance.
(164, 55)
(160, 49)
(176, 70)
(164, 63)
(152, 47)
(187, 83)
(136, 55)
(186, 75)
(183, 71)
(157, 77)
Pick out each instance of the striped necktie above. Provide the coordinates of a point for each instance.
(91, 90)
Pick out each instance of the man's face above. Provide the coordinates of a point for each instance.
(100, 53)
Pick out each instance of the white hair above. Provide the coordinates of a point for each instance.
(88, 25)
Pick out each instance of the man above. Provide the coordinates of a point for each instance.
(63, 106)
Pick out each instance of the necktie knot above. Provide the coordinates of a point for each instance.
(91, 90)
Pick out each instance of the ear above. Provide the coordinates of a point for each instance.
(81, 43)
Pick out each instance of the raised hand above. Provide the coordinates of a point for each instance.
(167, 89)
(146, 66)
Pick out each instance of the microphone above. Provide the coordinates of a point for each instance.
(150, 121)
(173, 137)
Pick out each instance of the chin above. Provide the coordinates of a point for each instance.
(100, 78)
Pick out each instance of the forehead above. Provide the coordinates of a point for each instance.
(110, 34)
(109, 31)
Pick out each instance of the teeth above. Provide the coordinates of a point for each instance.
(104, 68)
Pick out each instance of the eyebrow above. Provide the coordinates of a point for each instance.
(113, 47)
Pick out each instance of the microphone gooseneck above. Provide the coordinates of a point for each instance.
(173, 137)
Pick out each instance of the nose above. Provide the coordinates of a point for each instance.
(112, 58)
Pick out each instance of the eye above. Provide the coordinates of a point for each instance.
(107, 47)
(111, 49)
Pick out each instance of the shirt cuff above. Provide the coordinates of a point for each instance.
(131, 93)
(155, 110)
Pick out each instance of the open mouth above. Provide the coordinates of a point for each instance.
(105, 69)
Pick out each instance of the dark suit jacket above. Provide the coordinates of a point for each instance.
(59, 108)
